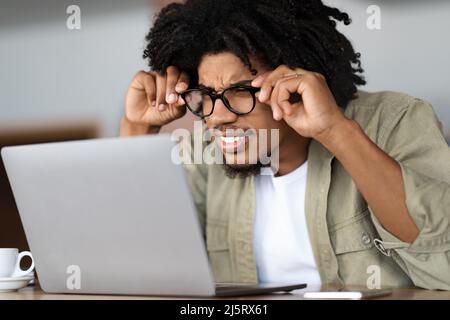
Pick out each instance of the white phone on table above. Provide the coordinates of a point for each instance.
(348, 294)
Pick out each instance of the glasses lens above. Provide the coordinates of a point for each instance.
(199, 102)
(240, 99)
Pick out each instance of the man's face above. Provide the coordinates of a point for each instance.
(220, 71)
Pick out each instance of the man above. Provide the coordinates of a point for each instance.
(362, 191)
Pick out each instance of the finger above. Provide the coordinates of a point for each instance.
(293, 108)
(276, 110)
(144, 83)
(298, 112)
(137, 83)
(266, 90)
(180, 102)
(286, 89)
(270, 80)
(150, 88)
(258, 81)
(183, 83)
(301, 71)
(172, 78)
(161, 92)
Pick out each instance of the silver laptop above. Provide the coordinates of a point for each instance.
(114, 216)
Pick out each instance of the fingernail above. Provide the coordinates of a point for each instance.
(172, 98)
(162, 107)
(153, 103)
(181, 87)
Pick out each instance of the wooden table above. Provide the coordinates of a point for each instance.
(35, 293)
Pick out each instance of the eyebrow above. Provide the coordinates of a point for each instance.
(242, 82)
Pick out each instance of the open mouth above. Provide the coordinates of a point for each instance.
(233, 141)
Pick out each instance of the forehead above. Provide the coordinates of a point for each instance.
(222, 69)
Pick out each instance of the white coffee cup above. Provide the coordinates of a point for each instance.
(10, 263)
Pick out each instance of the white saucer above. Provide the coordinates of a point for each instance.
(13, 284)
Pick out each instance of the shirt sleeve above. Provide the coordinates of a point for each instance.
(417, 143)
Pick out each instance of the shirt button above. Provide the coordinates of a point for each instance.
(365, 238)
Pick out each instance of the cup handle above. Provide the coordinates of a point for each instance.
(18, 270)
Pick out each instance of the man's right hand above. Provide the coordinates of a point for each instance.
(153, 100)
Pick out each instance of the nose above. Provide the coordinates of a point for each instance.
(220, 116)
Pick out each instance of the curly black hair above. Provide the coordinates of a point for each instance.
(296, 33)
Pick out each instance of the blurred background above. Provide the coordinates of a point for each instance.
(59, 84)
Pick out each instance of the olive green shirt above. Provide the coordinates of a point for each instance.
(348, 242)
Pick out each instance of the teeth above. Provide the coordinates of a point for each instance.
(231, 139)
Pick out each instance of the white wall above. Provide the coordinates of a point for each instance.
(49, 73)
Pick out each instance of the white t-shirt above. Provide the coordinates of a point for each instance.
(282, 248)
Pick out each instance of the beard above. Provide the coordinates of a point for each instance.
(243, 170)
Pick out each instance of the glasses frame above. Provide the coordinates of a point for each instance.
(221, 96)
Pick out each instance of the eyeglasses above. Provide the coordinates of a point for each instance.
(239, 99)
